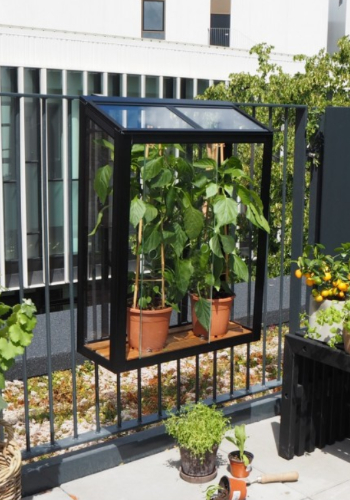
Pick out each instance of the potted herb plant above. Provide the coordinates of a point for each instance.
(240, 460)
(213, 248)
(329, 278)
(16, 332)
(198, 430)
(216, 492)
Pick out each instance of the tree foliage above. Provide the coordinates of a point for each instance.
(324, 81)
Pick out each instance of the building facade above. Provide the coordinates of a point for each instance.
(49, 56)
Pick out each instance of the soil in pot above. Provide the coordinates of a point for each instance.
(148, 327)
(194, 470)
(236, 488)
(220, 317)
(237, 466)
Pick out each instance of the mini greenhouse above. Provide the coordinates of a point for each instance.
(163, 196)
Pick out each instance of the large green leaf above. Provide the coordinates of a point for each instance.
(205, 163)
(240, 268)
(150, 213)
(183, 274)
(164, 178)
(212, 190)
(153, 168)
(4, 309)
(8, 350)
(20, 337)
(256, 218)
(152, 238)
(203, 312)
(180, 239)
(226, 211)
(193, 222)
(101, 182)
(215, 245)
(228, 243)
(170, 200)
(137, 211)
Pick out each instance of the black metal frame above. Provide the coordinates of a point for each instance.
(124, 138)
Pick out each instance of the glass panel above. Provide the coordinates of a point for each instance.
(94, 83)
(202, 85)
(74, 82)
(134, 86)
(153, 15)
(169, 87)
(219, 118)
(139, 117)
(114, 84)
(11, 242)
(56, 242)
(31, 81)
(54, 81)
(54, 139)
(100, 148)
(186, 88)
(152, 86)
(8, 79)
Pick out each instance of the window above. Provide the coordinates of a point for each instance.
(153, 19)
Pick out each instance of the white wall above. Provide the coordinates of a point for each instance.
(338, 25)
(291, 26)
(110, 17)
(188, 21)
(58, 50)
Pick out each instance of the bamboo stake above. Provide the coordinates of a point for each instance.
(163, 269)
(137, 274)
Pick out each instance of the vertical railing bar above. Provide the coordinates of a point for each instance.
(283, 230)
(46, 237)
(119, 400)
(160, 390)
(97, 399)
(232, 370)
(139, 395)
(71, 273)
(215, 374)
(178, 385)
(20, 263)
(197, 379)
(247, 383)
(297, 213)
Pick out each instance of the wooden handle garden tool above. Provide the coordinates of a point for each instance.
(284, 477)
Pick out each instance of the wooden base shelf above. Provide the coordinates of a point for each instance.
(179, 337)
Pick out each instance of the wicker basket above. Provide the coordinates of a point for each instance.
(10, 466)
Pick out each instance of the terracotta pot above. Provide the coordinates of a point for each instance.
(148, 327)
(324, 333)
(195, 470)
(235, 488)
(346, 340)
(220, 317)
(237, 467)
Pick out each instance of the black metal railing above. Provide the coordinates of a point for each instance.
(219, 36)
(108, 404)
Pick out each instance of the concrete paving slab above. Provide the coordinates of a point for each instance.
(323, 474)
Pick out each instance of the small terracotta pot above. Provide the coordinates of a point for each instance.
(220, 317)
(237, 466)
(236, 488)
(148, 327)
(346, 340)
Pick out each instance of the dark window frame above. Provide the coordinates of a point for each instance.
(148, 31)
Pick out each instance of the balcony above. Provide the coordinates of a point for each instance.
(219, 36)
